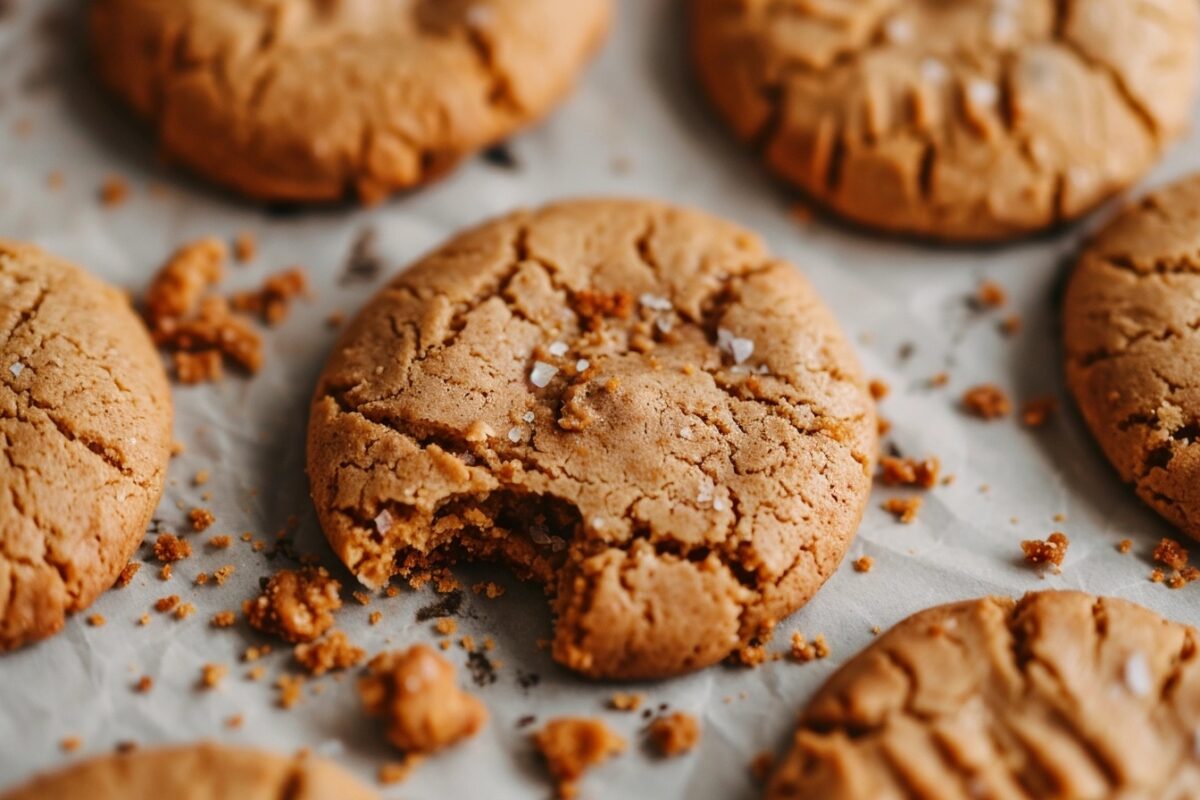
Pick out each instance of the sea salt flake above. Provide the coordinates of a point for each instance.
(383, 521)
(685, 432)
(741, 349)
(514, 435)
(718, 504)
(528, 416)
(542, 373)
(664, 323)
(899, 31)
(655, 303)
(16, 369)
(558, 349)
(934, 70)
(597, 523)
(581, 365)
(1137, 675)
(982, 93)
(706, 493)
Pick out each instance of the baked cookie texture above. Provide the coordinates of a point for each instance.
(971, 120)
(308, 100)
(635, 405)
(1130, 319)
(85, 436)
(196, 772)
(1058, 695)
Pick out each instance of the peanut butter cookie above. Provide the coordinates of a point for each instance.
(1130, 319)
(307, 100)
(969, 120)
(85, 436)
(1059, 695)
(196, 772)
(633, 404)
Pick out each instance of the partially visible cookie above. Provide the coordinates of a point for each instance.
(85, 437)
(308, 100)
(1059, 695)
(633, 404)
(196, 772)
(968, 120)
(1131, 325)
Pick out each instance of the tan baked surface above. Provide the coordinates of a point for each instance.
(310, 99)
(1059, 696)
(1130, 319)
(674, 514)
(196, 772)
(968, 120)
(85, 435)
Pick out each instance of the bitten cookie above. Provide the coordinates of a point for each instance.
(196, 772)
(1130, 320)
(308, 100)
(85, 436)
(1060, 695)
(968, 120)
(634, 404)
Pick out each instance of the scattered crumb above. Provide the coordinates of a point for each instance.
(904, 509)
(164, 574)
(489, 589)
(879, 389)
(1052, 550)
(989, 294)
(295, 605)
(127, 573)
(445, 626)
(165, 604)
(221, 574)
(272, 302)
(1157, 575)
(255, 673)
(245, 247)
(144, 684)
(291, 689)
(211, 675)
(234, 722)
(938, 380)
(255, 653)
(864, 564)
(675, 734)
(169, 548)
(571, 746)
(331, 652)
(184, 610)
(626, 701)
(1171, 554)
(894, 471)
(986, 401)
(1124, 546)
(416, 693)
(375, 617)
(144, 620)
(1036, 413)
(1011, 325)
(220, 542)
(96, 620)
(804, 651)
(114, 191)
(70, 744)
(360, 597)
(200, 519)
(224, 619)
(395, 772)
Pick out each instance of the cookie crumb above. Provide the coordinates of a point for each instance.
(1011, 325)
(96, 620)
(224, 619)
(200, 519)
(114, 191)
(572, 745)
(1037, 412)
(220, 542)
(489, 589)
(331, 652)
(878, 388)
(70, 744)
(291, 689)
(1052, 550)
(895, 471)
(939, 379)
(423, 706)
(675, 734)
(1157, 575)
(272, 301)
(184, 610)
(234, 722)
(169, 548)
(904, 509)
(295, 605)
(1124, 546)
(989, 294)
(445, 626)
(761, 766)
(211, 675)
(626, 701)
(245, 247)
(864, 564)
(165, 604)
(375, 617)
(986, 401)
(1171, 554)
(200, 478)
(803, 651)
(127, 574)
(221, 574)
(164, 574)
(144, 684)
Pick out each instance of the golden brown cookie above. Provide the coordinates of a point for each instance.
(196, 772)
(633, 404)
(308, 100)
(1130, 321)
(85, 436)
(1061, 695)
(967, 120)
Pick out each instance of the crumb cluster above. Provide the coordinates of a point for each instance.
(295, 605)
(571, 745)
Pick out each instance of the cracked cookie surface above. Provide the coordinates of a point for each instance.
(972, 120)
(633, 404)
(1131, 324)
(196, 772)
(308, 100)
(1058, 695)
(85, 436)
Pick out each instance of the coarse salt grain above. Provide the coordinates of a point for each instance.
(528, 416)
(1137, 675)
(741, 349)
(514, 435)
(899, 31)
(558, 349)
(981, 92)
(655, 303)
(664, 323)
(383, 521)
(581, 365)
(542, 373)
(597, 523)
(934, 70)
(718, 504)
(16, 369)
(685, 432)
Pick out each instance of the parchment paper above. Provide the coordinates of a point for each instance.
(636, 126)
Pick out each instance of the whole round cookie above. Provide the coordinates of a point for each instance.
(970, 120)
(85, 437)
(1059, 695)
(1131, 316)
(196, 772)
(633, 404)
(308, 100)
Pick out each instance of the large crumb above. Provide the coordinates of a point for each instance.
(1171, 554)
(331, 652)
(169, 548)
(296, 605)
(423, 706)
(904, 509)
(987, 401)
(200, 519)
(894, 471)
(211, 675)
(1052, 550)
(675, 734)
(571, 746)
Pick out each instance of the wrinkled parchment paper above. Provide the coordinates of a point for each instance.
(636, 126)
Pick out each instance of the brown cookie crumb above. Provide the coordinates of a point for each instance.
(989, 294)
(804, 651)
(114, 191)
(224, 619)
(895, 471)
(169, 548)
(165, 604)
(878, 388)
(592, 307)
(184, 610)
(245, 247)
(200, 519)
(761, 766)
(144, 684)
(211, 675)
(273, 300)
(423, 706)
(96, 620)
(904, 509)
(864, 564)
(489, 589)
(375, 617)
(296, 605)
(626, 701)
(395, 772)
(70, 744)
(986, 401)
(127, 574)
(331, 652)
(572, 745)
(675, 734)
(221, 574)
(1037, 412)
(445, 626)
(939, 380)
(194, 368)
(234, 722)
(220, 542)
(1124, 546)
(291, 689)
(1052, 550)
(361, 597)
(164, 574)
(1011, 325)
(1171, 554)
